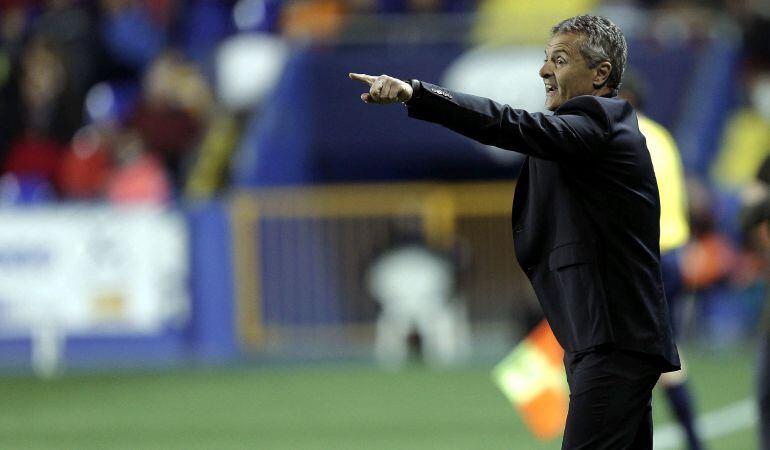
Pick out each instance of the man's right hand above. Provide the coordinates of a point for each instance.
(383, 89)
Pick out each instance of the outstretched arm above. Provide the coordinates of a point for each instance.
(577, 133)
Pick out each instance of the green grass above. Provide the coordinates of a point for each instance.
(718, 379)
(303, 408)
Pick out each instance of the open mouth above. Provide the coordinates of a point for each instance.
(549, 89)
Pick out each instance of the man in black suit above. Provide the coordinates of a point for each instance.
(585, 223)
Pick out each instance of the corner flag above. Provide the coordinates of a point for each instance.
(532, 377)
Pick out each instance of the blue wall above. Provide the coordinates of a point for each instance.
(314, 129)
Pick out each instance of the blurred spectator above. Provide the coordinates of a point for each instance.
(47, 107)
(674, 234)
(172, 112)
(709, 257)
(248, 67)
(34, 156)
(756, 227)
(208, 174)
(139, 176)
(708, 264)
(69, 26)
(86, 166)
(746, 141)
(43, 117)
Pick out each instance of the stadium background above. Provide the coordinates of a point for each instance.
(191, 194)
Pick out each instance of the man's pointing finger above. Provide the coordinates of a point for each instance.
(368, 79)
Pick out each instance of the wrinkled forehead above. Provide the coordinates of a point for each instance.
(567, 42)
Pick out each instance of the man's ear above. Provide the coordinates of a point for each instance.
(602, 74)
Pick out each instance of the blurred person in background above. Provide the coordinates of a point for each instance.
(41, 114)
(415, 285)
(674, 234)
(709, 265)
(71, 26)
(87, 165)
(139, 176)
(134, 57)
(744, 145)
(746, 138)
(755, 224)
(585, 222)
(172, 113)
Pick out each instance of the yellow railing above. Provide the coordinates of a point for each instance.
(440, 208)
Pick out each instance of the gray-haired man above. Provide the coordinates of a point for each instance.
(585, 224)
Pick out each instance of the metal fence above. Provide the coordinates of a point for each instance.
(301, 255)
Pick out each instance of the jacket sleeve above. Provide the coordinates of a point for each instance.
(577, 132)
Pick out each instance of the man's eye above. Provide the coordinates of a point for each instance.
(559, 61)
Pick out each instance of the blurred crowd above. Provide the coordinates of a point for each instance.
(114, 99)
(126, 101)
(102, 100)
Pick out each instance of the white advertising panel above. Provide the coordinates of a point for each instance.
(92, 270)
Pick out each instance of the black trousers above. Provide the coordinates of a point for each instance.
(610, 400)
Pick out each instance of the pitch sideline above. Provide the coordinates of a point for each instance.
(719, 422)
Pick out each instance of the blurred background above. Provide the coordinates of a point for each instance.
(208, 241)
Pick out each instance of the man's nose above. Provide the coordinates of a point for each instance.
(545, 71)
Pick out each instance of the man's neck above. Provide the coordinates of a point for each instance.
(603, 91)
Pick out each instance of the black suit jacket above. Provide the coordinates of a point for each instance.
(586, 215)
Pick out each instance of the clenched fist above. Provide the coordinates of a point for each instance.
(383, 89)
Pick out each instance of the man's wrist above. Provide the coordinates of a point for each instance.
(416, 90)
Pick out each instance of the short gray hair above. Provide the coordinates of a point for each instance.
(603, 42)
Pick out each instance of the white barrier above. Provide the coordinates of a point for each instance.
(90, 271)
